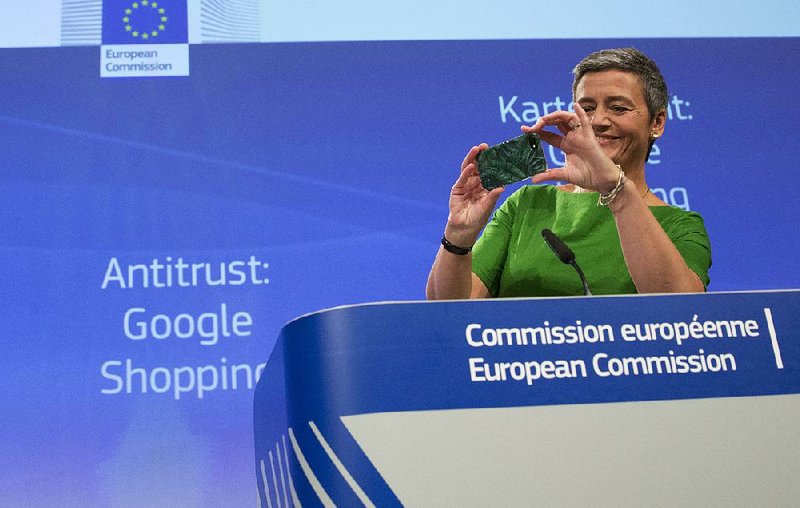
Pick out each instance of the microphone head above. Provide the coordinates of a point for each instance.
(561, 250)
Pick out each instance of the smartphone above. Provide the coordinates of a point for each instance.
(511, 161)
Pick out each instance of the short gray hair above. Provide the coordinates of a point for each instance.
(628, 60)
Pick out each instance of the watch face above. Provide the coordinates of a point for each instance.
(511, 161)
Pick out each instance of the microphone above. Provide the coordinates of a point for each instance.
(566, 256)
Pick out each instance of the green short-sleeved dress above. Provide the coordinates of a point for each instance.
(512, 259)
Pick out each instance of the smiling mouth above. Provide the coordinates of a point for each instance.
(604, 140)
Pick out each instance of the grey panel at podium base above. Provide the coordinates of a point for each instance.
(605, 401)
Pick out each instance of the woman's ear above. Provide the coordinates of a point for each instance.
(659, 122)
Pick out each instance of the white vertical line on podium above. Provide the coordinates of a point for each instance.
(312, 478)
(280, 468)
(295, 500)
(342, 470)
(776, 349)
(266, 483)
(274, 480)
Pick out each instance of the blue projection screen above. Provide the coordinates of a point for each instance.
(169, 202)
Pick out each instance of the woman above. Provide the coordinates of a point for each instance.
(624, 237)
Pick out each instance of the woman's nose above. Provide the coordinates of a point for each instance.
(598, 119)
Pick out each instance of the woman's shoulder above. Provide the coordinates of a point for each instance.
(551, 196)
(540, 191)
(673, 212)
(530, 195)
(677, 221)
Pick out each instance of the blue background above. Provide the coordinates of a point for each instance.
(330, 161)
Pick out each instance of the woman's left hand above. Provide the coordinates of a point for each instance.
(586, 164)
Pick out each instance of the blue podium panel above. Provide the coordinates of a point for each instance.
(668, 398)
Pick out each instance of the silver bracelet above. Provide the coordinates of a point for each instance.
(606, 199)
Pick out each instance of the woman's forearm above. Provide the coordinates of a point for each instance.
(450, 277)
(653, 261)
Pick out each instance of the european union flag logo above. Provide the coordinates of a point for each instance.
(145, 22)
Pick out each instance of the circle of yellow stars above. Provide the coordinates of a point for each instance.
(162, 18)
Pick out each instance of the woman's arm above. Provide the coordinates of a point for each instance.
(451, 278)
(471, 206)
(653, 261)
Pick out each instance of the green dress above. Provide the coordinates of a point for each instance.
(512, 259)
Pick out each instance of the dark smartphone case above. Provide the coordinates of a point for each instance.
(511, 161)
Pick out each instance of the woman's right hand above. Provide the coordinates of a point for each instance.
(470, 204)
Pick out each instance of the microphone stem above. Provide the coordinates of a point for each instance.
(585, 283)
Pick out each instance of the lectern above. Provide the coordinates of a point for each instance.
(622, 400)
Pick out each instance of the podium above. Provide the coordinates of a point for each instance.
(618, 400)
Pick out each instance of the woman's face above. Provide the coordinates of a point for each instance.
(614, 101)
